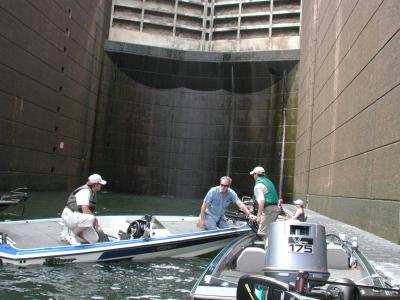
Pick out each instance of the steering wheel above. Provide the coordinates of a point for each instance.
(333, 238)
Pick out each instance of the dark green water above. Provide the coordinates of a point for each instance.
(152, 279)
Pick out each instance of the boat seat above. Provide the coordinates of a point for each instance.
(251, 260)
(259, 244)
(337, 257)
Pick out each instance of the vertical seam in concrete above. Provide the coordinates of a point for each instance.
(282, 162)
(210, 37)
(314, 43)
(142, 16)
(231, 122)
(238, 26)
(174, 25)
(204, 30)
(271, 7)
(111, 19)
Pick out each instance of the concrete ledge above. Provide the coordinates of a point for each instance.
(201, 56)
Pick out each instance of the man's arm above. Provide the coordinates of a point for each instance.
(202, 217)
(297, 214)
(243, 208)
(85, 209)
(259, 194)
(82, 200)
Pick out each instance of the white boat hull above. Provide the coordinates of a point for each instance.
(176, 236)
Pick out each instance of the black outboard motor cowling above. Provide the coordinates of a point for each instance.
(138, 228)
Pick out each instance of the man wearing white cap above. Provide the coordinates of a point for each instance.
(78, 213)
(267, 198)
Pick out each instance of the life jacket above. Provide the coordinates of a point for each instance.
(71, 202)
(271, 197)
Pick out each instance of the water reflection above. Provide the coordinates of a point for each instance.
(152, 279)
(158, 279)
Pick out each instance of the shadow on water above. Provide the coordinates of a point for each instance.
(151, 279)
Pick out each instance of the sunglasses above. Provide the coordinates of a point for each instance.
(224, 185)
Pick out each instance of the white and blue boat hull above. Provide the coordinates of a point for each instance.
(163, 243)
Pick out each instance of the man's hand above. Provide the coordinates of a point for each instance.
(202, 224)
(280, 201)
(252, 218)
(96, 224)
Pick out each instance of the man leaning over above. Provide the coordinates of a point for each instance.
(78, 214)
(212, 212)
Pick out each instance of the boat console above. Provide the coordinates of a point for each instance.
(145, 227)
(139, 228)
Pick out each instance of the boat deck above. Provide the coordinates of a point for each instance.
(48, 231)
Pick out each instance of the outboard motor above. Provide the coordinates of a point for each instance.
(294, 247)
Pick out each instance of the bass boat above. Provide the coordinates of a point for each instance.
(300, 261)
(14, 198)
(32, 242)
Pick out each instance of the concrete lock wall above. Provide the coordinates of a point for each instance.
(50, 65)
(51, 85)
(164, 126)
(348, 138)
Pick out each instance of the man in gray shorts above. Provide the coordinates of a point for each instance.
(212, 212)
(78, 214)
(267, 198)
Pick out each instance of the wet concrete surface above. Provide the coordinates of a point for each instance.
(384, 255)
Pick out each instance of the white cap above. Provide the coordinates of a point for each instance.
(298, 202)
(96, 178)
(258, 171)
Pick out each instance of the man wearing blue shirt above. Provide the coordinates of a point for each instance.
(218, 198)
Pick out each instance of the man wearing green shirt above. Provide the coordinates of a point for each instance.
(267, 198)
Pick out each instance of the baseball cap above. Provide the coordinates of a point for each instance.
(96, 178)
(258, 170)
(298, 202)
